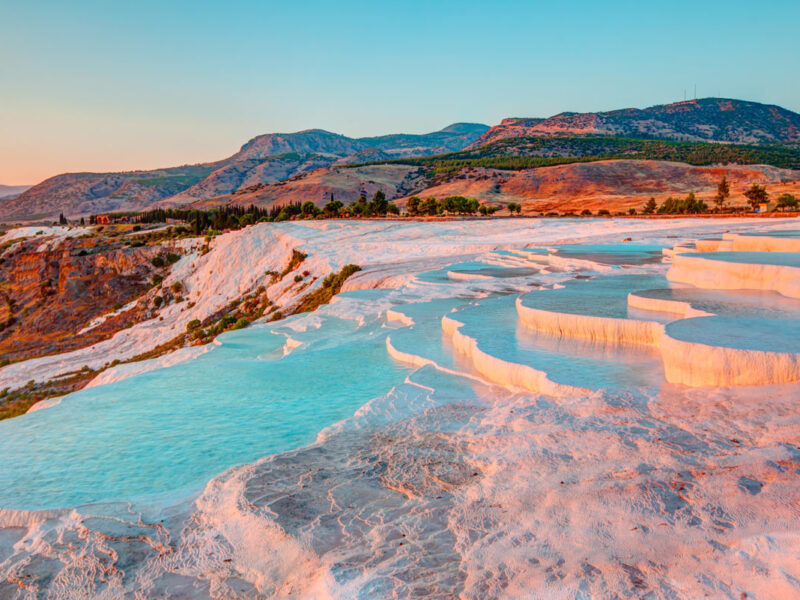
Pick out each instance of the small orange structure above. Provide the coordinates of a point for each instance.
(102, 220)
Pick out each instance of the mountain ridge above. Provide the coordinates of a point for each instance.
(263, 159)
(272, 158)
(7, 191)
(706, 119)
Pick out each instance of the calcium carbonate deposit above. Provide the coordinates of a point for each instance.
(516, 408)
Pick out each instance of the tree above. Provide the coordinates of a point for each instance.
(379, 204)
(412, 206)
(62, 219)
(82, 222)
(682, 206)
(756, 194)
(649, 207)
(332, 208)
(393, 209)
(723, 192)
(360, 208)
(309, 209)
(232, 222)
(513, 207)
(787, 201)
(429, 206)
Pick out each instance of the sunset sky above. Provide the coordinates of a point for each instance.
(100, 86)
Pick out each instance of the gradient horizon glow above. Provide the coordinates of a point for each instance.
(95, 86)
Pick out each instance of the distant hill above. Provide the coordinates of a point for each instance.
(344, 183)
(319, 141)
(8, 191)
(262, 160)
(615, 185)
(708, 119)
(312, 164)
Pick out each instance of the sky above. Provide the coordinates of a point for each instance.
(109, 86)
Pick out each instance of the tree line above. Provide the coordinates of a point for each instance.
(223, 218)
(532, 152)
(756, 196)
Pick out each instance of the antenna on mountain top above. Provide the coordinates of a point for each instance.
(695, 91)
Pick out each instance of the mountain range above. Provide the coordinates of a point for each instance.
(264, 159)
(313, 164)
(10, 191)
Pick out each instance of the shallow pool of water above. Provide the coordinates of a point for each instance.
(175, 428)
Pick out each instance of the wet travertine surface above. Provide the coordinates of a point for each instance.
(424, 440)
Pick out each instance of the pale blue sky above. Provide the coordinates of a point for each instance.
(121, 85)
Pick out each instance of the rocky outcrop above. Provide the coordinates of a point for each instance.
(51, 291)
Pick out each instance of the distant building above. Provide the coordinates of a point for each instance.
(766, 207)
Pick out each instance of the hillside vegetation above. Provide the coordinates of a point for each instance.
(531, 152)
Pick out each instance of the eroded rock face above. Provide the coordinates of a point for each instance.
(51, 290)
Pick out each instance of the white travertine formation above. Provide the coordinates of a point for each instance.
(712, 245)
(761, 243)
(710, 273)
(500, 371)
(628, 331)
(697, 364)
(678, 307)
(443, 488)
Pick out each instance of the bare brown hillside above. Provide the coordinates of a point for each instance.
(614, 185)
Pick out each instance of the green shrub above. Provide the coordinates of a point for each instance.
(330, 287)
(682, 206)
(158, 262)
(241, 323)
(193, 324)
